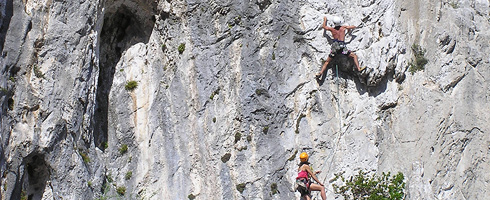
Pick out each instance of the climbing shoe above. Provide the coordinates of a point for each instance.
(318, 76)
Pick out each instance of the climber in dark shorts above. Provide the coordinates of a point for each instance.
(338, 45)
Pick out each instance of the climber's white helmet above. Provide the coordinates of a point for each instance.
(337, 21)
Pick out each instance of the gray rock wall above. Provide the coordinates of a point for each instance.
(226, 97)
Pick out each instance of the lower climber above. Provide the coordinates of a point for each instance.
(338, 45)
(303, 179)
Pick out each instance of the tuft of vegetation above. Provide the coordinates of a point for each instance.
(216, 92)
(23, 195)
(89, 183)
(109, 178)
(420, 61)
(123, 149)
(366, 186)
(293, 156)
(85, 157)
(240, 187)
(274, 188)
(121, 190)
(121, 70)
(249, 138)
(238, 136)
(105, 145)
(273, 56)
(260, 91)
(37, 72)
(3, 90)
(454, 4)
(214, 119)
(225, 158)
(131, 85)
(181, 48)
(265, 129)
(164, 47)
(191, 197)
(128, 175)
(12, 79)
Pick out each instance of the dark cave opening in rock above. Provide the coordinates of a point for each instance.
(34, 180)
(126, 23)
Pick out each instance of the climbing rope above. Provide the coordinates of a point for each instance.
(340, 129)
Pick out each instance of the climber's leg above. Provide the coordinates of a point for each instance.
(324, 68)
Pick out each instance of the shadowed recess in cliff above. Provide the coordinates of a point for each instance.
(125, 23)
(7, 10)
(34, 179)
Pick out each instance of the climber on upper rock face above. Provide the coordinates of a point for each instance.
(338, 45)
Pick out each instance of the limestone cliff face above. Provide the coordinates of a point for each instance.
(226, 97)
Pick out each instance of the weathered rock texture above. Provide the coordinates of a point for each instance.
(226, 97)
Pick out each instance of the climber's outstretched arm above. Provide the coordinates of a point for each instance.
(325, 24)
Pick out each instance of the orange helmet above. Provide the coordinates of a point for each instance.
(303, 157)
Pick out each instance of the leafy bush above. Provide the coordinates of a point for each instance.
(37, 72)
(105, 145)
(23, 195)
(249, 138)
(128, 175)
(265, 129)
(420, 61)
(123, 149)
(225, 158)
(366, 186)
(85, 157)
(121, 190)
(181, 48)
(241, 187)
(131, 85)
(293, 156)
(274, 188)
(238, 136)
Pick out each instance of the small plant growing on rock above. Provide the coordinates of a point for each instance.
(273, 56)
(181, 48)
(420, 61)
(214, 119)
(216, 92)
(249, 138)
(238, 136)
(293, 156)
(131, 85)
(241, 187)
(265, 129)
(105, 145)
(123, 149)
(128, 175)
(37, 72)
(85, 157)
(23, 195)
(191, 197)
(12, 79)
(366, 186)
(89, 184)
(121, 190)
(274, 188)
(225, 158)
